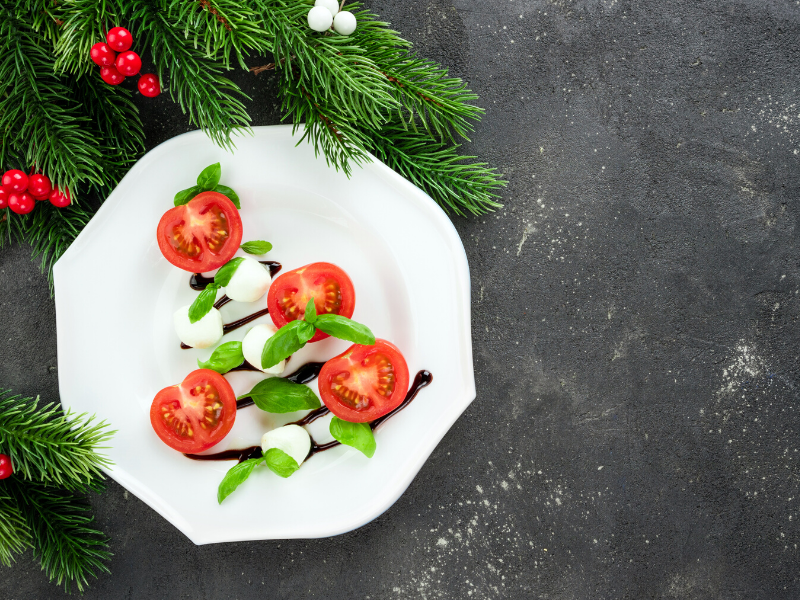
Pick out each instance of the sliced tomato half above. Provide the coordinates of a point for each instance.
(364, 382)
(196, 414)
(329, 285)
(202, 235)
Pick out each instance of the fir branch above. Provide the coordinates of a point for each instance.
(15, 535)
(60, 521)
(50, 231)
(457, 185)
(48, 445)
(85, 22)
(211, 101)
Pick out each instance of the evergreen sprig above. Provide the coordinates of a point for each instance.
(15, 536)
(50, 446)
(57, 523)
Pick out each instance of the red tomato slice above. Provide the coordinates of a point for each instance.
(364, 382)
(195, 415)
(202, 235)
(330, 287)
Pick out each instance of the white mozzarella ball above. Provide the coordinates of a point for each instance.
(292, 439)
(202, 334)
(249, 282)
(253, 345)
(320, 18)
(344, 23)
(331, 5)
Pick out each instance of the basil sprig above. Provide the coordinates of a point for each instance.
(294, 335)
(235, 477)
(279, 395)
(256, 247)
(204, 302)
(226, 357)
(280, 463)
(208, 180)
(357, 435)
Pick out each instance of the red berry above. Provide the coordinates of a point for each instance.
(21, 202)
(3, 197)
(5, 467)
(120, 39)
(15, 180)
(111, 76)
(129, 63)
(102, 55)
(149, 85)
(59, 198)
(39, 186)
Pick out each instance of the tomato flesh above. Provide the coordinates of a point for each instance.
(201, 235)
(364, 382)
(329, 285)
(196, 414)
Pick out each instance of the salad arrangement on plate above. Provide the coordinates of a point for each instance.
(362, 387)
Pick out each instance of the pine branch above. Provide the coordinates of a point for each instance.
(15, 535)
(51, 230)
(85, 22)
(60, 521)
(48, 445)
(456, 184)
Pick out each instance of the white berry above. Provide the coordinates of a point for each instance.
(249, 282)
(253, 345)
(344, 23)
(200, 334)
(320, 18)
(292, 439)
(331, 5)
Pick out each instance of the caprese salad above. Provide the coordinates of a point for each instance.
(361, 387)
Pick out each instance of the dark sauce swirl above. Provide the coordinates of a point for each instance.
(422, 379)
(199, 282)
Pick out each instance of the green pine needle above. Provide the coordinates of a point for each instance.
(45, 444)
(15, 535)
(60, 525)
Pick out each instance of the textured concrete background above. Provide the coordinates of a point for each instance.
(635, 326)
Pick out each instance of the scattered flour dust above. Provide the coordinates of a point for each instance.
(743, 366)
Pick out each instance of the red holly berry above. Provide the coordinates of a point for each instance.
(129, 63)
(21, 202)
(120, 39)
(111, 76)
(5, 467)
(102, 54)
(15, 180)
(59, 198)
(3, 198)
(39, 186)
(149, 85)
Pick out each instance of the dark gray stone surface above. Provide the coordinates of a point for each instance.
(635, 327)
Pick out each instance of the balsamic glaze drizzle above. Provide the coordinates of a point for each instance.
(422, 379)
(199, 282)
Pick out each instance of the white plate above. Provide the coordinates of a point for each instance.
(115, 295)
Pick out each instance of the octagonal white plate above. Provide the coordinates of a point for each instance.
(115, 295)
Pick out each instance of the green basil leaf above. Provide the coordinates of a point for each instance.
(286, 341)
(311, 312)
(279, 395)
(209, 177)
(232, 196)
(256, 247)
(280, 463)
(235, 477)
(357, 435)
(226, 357)
(203, 304)
(226, 271)
(345, 329)
(184, 196)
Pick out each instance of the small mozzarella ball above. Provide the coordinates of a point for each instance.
(320, 18)
(344, 23)
(331, 5)
(201, 334)
(249, 282)
(253, 345)
(292, 439)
